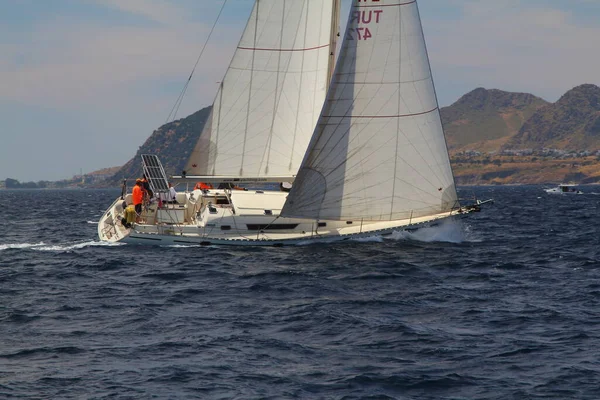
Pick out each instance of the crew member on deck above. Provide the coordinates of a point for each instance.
(203, 186)
(169, 197)
(172, 198)
(146, 187)
(137, 196)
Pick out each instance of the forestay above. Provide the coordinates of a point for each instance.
(269, 101)
(379, 151)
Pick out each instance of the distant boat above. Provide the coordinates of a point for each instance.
(361, 140)
(564, 188)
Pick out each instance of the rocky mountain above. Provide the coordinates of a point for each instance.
(572, 123)
(173, 142)
(484, 120)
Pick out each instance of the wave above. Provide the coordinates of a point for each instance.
(76, 246)
(449, 231)
(184, 246)
(20, 245)
(41, 246)
(370, 239)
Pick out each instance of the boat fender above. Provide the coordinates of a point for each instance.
(130, 214)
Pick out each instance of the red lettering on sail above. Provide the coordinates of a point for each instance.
(361, 18)
(366, 16)
(367, 34)
(377, 14)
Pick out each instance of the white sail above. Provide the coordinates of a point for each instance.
(378, 152)
(269, 101)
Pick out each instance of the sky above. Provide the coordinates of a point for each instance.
(83, 83)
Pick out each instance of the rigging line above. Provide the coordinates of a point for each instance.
(398, 130)
(329, 98)
(275, 97)
(317, 111)
(303, 72)
(279, 94)
(235, 84)
(399, 104)
(228, 125)
(437, 172)
(271, 223)
(182, 94)
(436, 100)
(218, 127)
(348, 112)
(257, 8)
(382, 82)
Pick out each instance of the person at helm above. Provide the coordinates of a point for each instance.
(137, 197)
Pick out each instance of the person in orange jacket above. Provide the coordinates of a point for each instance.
(137, 196)
(203, 186)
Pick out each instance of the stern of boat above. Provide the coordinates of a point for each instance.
(110, 226)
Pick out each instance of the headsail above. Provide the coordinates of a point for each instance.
(378, 152)
(270, 99)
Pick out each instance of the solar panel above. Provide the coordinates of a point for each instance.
(155, 174)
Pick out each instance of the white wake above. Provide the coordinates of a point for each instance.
(56, 247)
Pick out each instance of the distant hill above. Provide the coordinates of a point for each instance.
(478, 126)
(572, 123)
(484, 120)
(104, 172)
(173, 142)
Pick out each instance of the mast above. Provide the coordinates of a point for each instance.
(335, 32)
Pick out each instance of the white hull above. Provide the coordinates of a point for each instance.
(253, 221)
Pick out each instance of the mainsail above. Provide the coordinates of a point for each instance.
(269, 101)
(378, 152)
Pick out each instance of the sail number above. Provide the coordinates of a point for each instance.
(360, 33)
(361, 18)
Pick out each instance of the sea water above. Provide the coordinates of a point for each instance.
(501, 305)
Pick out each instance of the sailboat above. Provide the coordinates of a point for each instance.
(359, 141)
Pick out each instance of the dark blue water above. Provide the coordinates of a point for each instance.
(504, 305)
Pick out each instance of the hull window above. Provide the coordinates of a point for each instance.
(269, 227)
